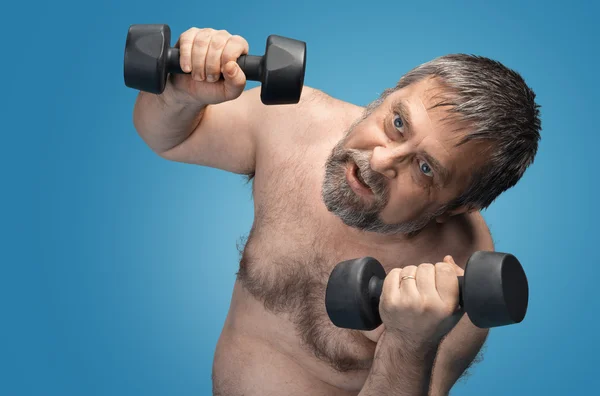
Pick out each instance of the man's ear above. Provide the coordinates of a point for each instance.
(457, 211)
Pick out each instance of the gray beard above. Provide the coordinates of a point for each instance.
(342, 201)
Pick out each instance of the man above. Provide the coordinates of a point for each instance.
(402, 181)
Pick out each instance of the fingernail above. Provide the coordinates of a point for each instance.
(211, 78)
(187, 67)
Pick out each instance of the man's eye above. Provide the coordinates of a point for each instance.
(425, 168)
(398, 123)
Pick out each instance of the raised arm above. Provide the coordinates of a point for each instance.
(198, 119)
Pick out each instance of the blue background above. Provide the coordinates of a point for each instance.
(118, 266)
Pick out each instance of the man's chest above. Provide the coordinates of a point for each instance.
(292, 222)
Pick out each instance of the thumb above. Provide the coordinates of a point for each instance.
(235, 80)
(450, 260)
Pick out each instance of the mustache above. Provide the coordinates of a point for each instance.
(375, 180)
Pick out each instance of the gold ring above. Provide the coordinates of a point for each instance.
(407, 277)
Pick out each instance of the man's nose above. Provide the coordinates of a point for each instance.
(385, 160)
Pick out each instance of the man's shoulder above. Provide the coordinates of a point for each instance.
(466, 234)
(318, 102)
(315, 115)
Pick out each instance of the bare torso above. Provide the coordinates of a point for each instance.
(277, 338)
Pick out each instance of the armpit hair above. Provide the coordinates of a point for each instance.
(478, 359)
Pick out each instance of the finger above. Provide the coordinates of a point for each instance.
(447, 284)
(213, 55)
(233, 74)
(200, 46)
(235, 47)
(390, 291)
(185, 43)
(235, 80)
(459, 271)
(426, 282)
(408, 286)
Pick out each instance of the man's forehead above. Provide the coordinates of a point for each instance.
(428, 92)
(428, 104)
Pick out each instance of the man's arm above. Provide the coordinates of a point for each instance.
(456, 353)
(460, 348)
(202, 121)
(431, 369)
(223, 136)
(399, 370)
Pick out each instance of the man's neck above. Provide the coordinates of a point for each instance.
(357, 240)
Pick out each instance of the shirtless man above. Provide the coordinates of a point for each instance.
(401, 180)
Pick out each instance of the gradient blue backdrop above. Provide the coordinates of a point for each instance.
(118, 266)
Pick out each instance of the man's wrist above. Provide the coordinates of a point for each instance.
(400, 367)
(411, 349)
(172, 96)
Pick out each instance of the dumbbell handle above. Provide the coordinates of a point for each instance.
(376, 288)
(251, 65)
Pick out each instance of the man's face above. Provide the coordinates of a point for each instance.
(398, 166)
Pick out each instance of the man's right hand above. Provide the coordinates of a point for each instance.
(419, 304)
(206, 54)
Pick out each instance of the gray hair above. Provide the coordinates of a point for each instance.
(499, 108)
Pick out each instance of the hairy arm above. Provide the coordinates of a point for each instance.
(224, 136)
(432, 370)
(399, 370)
(457, 352)
(461, 348)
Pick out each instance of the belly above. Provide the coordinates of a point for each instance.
(265, 352)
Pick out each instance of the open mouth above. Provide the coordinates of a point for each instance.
(359, 177)
(356, 181)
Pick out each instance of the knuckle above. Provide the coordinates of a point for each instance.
(409, 269)
(200, 42)
(191, 32)
(202, 39)
(185, 40)
(223, 33)
(444, 267)
(217, 44)
(239, 40)
(219, 39)
(426, 266)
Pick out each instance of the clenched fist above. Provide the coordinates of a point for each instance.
(419, 304)
(206, 54)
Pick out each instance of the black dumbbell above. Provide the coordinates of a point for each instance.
(493, 291)
(149, 59)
